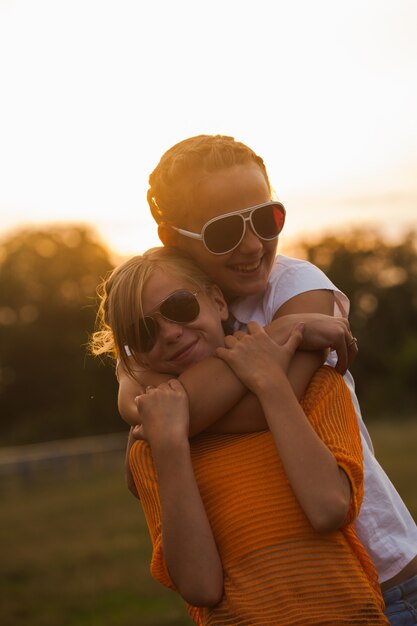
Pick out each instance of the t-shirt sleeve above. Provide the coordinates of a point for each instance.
(292, 277)
(329, 408)
(145, 477)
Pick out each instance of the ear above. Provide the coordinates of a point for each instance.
(167, 235)
(220, 302)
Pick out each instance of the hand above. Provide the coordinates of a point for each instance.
(164, 414)
(320, 332)
(256, 358)
(334, 333)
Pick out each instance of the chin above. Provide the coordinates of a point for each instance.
(249, 287)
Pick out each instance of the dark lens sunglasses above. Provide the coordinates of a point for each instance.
(223, 234)
(181, 307)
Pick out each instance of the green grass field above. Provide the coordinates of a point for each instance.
(75, 549)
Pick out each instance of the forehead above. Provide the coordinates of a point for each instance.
(232, 189)
(160, 285)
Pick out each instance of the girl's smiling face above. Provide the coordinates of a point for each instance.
(178, 346)
(245, 270)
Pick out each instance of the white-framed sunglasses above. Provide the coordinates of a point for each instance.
(224, 233)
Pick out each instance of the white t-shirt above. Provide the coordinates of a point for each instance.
(385, 526)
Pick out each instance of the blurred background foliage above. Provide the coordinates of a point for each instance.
(380, 279)
(50, 388)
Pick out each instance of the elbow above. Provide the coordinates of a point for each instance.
(204, 595)
(204, 600)
(330, 516)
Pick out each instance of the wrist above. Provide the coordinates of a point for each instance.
(167, 447)
(172, 462)
(275, 379)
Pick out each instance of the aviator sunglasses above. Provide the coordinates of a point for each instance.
(224, 233)
(181, 307)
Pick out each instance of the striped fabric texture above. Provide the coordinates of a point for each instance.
(277, 568)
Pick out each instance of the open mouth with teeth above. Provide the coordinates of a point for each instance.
(247, 267)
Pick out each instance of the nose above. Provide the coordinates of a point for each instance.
(250, 242)
(169, 331)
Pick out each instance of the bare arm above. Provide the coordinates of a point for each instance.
(206, 407)
(189, 548)
(321, 331)
(304, 363)
(321, 487)
(232, 408)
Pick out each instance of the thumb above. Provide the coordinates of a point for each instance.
(137, 432)
(296, 336)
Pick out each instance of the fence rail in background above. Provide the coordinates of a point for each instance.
(60, 457)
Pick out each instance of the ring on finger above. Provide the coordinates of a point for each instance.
(353, 341)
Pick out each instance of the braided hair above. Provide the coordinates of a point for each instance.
(175, 180)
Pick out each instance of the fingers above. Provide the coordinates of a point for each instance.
(173, 383)
(342, 360)
(352, 350)
(137, 432)
(222, 353)
(254, 328)
(295, 336)
(231, 340)
(353, 344)
(346, 353)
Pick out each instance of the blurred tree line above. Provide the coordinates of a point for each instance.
(380, 279)
(51, 388)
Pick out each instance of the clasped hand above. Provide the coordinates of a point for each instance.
(256, 358)
(164, 414)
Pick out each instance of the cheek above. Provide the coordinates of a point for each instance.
(272, 246)
(217, 331)
(190, 246)
(210, 263)
(197, 251)
(152, 359)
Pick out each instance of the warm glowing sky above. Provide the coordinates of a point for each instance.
(93, 91)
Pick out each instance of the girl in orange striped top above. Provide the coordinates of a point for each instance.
(251, 529)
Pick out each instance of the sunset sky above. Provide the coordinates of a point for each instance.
(92, 92)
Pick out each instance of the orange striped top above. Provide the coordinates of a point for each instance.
(277, 568)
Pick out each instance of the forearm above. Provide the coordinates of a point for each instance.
(246, 416)
(213, 390)
(189, 548)
(320, 486)
(231, 396)
(128, 472)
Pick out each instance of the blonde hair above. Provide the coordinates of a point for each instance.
(174, 181)
(120, 306)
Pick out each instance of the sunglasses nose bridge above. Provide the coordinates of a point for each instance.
(168, 327)
(249, 234)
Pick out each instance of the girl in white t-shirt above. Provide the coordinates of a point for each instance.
(211, 198)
